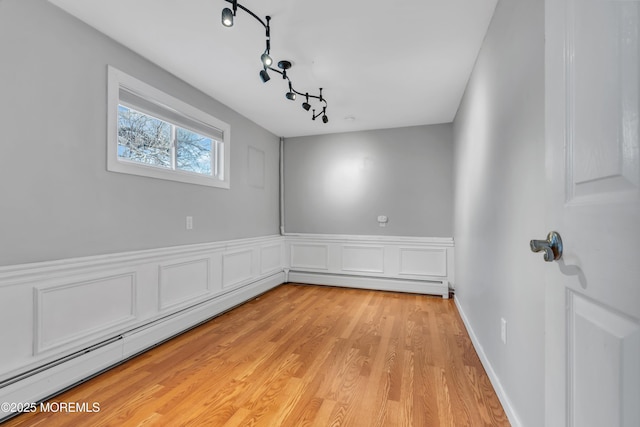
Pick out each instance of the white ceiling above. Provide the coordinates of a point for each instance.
(381, 64)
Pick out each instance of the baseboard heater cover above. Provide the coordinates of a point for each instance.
(434, 286)
(43, 384)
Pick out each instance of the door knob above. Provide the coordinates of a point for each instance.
(552, 247)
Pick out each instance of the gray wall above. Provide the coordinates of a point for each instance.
(58, 200)
(499, 202)
(340, 183)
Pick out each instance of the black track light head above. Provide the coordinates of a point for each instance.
(325, 119)
(291, 95)
(264, 76)
(266, 60)
(227, 17)
(306, 104)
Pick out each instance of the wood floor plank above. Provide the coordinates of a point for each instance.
(299, 356)
(324, 413)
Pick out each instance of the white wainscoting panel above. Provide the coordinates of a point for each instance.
(309, 256)
(408, 264)
(75, 311)
(65, 312)
(182, 282)
(237, 267)
(363, 259)
(423, 262)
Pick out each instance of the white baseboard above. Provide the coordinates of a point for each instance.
(495, 381)
(376, 283)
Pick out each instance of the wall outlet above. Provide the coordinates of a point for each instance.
(382, 220)
(189, 223)
(503, 330)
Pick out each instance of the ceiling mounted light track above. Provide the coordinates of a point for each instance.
(228, 16)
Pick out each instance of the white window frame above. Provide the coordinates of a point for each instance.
(117, 81)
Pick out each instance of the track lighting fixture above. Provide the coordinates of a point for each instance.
(306, 104)
(264, 76)
(228, 14)
(267, 62)
(265, 58)
(323, 113)
(291, 94)
(227, 17)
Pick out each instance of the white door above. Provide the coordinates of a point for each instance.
(592, 352)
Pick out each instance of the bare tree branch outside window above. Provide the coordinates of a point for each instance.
(146, 139)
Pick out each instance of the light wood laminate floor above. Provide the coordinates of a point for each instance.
(300, 356)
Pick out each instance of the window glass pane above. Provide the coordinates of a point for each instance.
(193, 152)
(143, 139)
